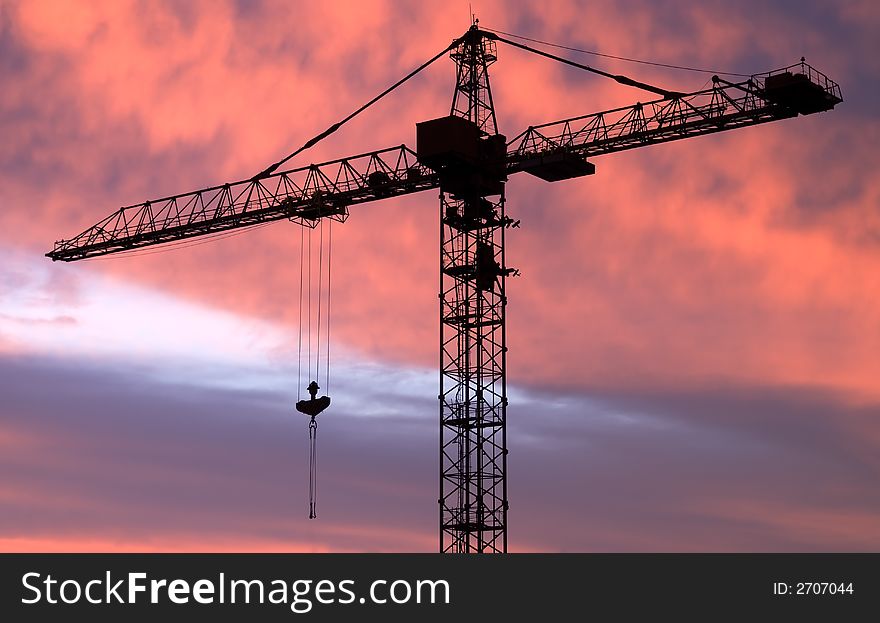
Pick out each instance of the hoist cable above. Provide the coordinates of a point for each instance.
(320, 299)
(313, 464)
(302, 243)
(329, 258)
(309, 322)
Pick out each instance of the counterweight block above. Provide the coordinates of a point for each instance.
(468, 161)
(797, 92)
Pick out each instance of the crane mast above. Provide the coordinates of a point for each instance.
(465, 157)
(473, 348)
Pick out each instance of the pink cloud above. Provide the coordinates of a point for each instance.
(776, 300)
(182, 543)
(829, 529)
(746, 258)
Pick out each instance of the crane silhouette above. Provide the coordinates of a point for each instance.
(465, 157)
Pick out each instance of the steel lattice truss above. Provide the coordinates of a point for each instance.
(473, 97)
(302, 195)
(724, 106)
(473, 386)
(473, 390)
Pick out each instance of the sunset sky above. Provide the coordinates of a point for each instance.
(694, 341)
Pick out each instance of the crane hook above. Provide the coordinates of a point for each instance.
(314, 405)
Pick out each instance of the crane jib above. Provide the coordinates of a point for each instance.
(552, 151)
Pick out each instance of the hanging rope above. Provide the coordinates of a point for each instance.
(309, 309)
(329, 256)
(320, 298)
(313, 472)
(314, 405)
(299, 358)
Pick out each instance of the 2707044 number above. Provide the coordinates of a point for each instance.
(813, 588)
(823, 588)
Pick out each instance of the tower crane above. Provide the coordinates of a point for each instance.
(464, 157)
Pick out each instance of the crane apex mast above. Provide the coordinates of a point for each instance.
(472, 98)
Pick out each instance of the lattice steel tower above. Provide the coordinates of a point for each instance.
(473, 391)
